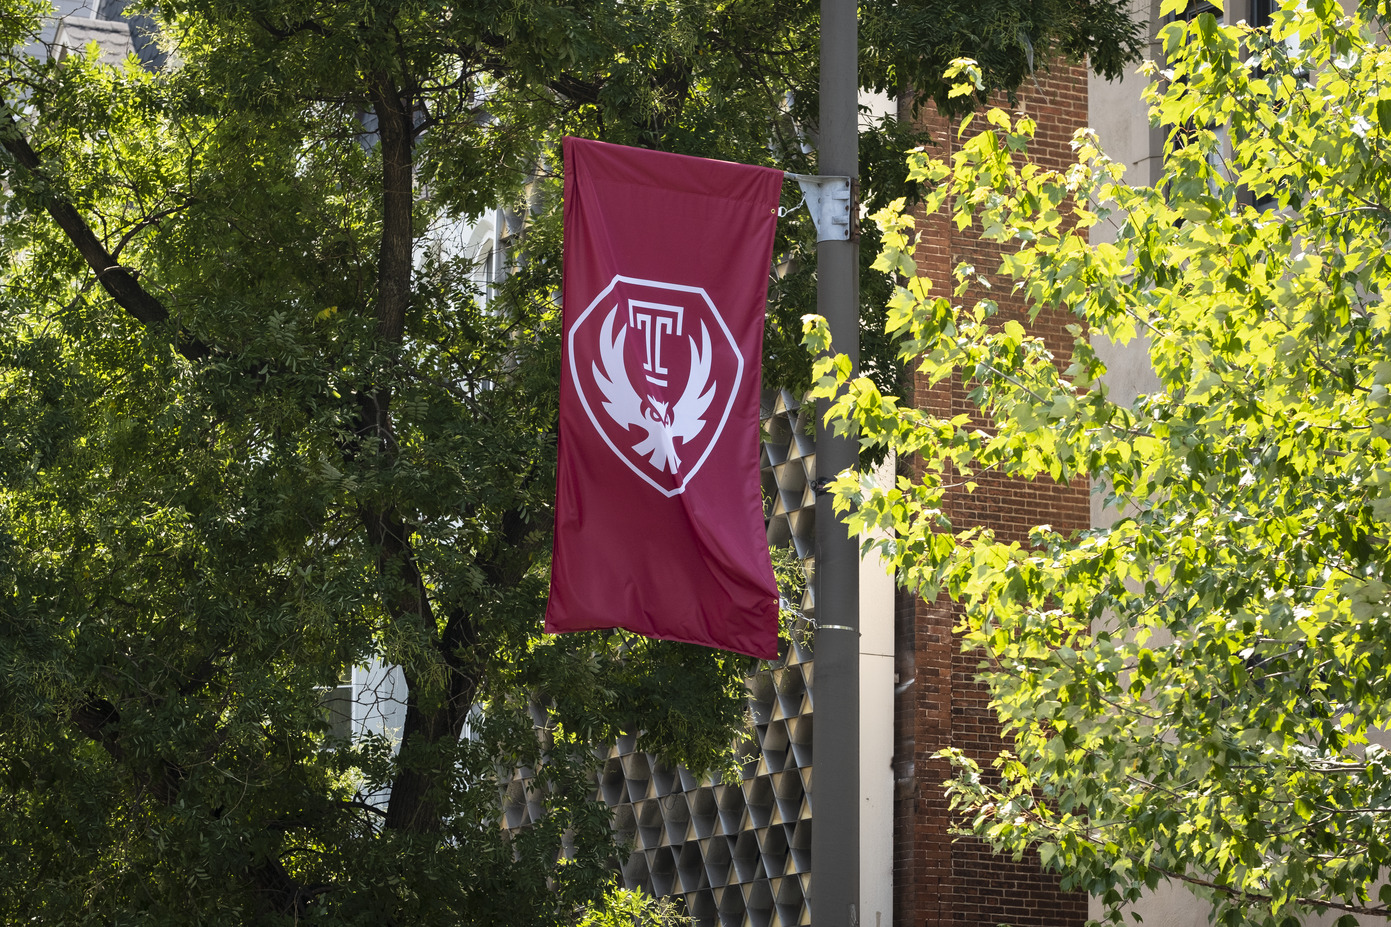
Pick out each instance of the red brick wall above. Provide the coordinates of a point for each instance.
(938, 881)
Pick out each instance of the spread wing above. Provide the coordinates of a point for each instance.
(621, 401)
(687, 415)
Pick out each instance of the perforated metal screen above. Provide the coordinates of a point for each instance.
(740, 854)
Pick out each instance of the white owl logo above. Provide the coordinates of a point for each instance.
(664, 425)
(661, 428)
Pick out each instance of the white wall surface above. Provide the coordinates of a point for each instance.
(877, 735)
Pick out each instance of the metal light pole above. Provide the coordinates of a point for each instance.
(835, 842)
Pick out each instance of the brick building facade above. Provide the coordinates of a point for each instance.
(938, 880)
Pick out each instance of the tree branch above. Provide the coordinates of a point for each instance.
(307, 25)
(397, 138)
(121, 283)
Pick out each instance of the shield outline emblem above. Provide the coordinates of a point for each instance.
(684, 478)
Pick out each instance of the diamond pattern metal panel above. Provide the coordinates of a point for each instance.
(740, 854)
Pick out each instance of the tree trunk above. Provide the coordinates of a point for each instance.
(413, 806)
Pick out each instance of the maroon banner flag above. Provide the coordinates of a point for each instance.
(659, 514)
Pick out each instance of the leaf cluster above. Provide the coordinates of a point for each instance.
(264, 420)
(906, 47)
(200, 543)
(1199, 690)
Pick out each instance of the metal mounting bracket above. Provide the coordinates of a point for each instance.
(831, 202)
